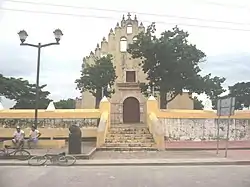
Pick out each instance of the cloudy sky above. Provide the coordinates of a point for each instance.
(221, 30)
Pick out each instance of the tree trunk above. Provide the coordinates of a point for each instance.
(163, 100)
(98, 98)
(97, 102)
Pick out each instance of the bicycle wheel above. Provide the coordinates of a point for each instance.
(37, 160)
(22, 154)
(2, 153)
(66, 160)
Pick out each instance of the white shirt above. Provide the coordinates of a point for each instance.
(19, 135)
(34, 134)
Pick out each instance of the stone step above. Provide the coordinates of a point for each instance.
(129, 141)
(124, 138)
(127, 149)
(129, 137)
(137, 125)
(136, 136)
(128, 132)
(129, 128)
(129, 144)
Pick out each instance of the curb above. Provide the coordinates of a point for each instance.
(204, 149)
(85, 156)
(212, 163)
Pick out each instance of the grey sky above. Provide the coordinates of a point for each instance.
(227, 50)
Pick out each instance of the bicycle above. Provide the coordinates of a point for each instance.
(18, 153)
(61, 159)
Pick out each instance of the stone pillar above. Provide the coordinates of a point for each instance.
(152, 107)
(105, 106)
(154, 125)
(102, 130)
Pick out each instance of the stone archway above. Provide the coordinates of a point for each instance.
(131, 110)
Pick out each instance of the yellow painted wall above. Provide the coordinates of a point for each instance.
(51, 132)
(58, 113)
(95, 113)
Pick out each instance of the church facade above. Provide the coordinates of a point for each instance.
(127, 103)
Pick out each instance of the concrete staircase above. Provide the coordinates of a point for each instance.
(129, 138)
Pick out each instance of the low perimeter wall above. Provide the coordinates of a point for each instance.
(51, 133)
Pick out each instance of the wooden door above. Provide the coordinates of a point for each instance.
(131, 110)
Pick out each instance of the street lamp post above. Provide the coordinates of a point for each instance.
(23, 36)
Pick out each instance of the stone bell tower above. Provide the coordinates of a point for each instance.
(127, 104)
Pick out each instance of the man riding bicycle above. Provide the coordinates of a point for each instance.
(18, 138)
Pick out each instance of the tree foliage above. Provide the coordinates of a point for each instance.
(11, 88)
(241, 92)
(97, 76)
(65, 104)
(172, 64)
(27, 99)
(198, 104)
(23, 93)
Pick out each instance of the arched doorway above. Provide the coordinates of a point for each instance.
(131, 110)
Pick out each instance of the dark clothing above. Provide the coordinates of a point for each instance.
(75, 140)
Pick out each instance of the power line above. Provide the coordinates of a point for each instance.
(122, 11)
(105, 17)
(223, 4)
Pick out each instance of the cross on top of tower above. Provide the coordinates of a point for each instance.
(129, 16)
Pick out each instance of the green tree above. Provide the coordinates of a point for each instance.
(11, 88)
(172, 64)
(96, 77)
(198, 104)
(65, 104)
(27, 98)
(241, 92)
(214, 88)
(22, 92)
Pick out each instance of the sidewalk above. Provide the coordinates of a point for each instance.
(88, 149)
(159, 158)
(204, 154)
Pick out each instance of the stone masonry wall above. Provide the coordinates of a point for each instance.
(48, 123)
(205, 129)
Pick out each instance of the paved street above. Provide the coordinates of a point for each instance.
(158, 176)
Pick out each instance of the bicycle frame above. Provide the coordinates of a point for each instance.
(53, 157)
(8, 152)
